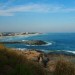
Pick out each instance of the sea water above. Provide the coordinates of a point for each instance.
(56, 42)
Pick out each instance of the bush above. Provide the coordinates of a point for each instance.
(64, 67)
(13, 63)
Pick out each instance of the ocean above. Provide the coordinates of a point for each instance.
(56, 42)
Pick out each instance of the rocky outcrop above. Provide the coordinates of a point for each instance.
(28, 42)
(35, 42)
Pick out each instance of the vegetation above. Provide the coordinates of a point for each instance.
(64, 67)
(14, 63)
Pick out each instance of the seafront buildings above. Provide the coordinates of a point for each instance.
(0, 34)
(17, 33)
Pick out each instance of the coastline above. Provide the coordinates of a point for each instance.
(26, 35)
(46, 61)
(66, 51)
(34, 55)
(50, 52)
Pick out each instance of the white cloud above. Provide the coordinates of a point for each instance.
(41, 8)
(68, 10)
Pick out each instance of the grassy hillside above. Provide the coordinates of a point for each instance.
(64, 67)
(14, 63)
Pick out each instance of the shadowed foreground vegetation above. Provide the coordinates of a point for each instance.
(12, 62)
(64, 67)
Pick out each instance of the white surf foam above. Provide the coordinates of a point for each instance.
(21, 49)
(71, 52)
(48, 43)
(67, 51)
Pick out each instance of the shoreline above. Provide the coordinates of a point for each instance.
(46, 51)
(27, 35)
(51, 52)
(34, 56)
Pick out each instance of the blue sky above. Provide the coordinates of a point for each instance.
(37, 15)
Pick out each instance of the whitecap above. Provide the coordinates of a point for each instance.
(67, 51)
(22, 49)
(24, 40)
(71, 52)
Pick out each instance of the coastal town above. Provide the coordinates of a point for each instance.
(16, 33)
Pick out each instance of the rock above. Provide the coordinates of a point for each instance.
(35, 42)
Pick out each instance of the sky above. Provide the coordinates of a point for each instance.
(37, 15)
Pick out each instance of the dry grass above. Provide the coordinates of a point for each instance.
(31, 54)
(15, 63)
(64, 67)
